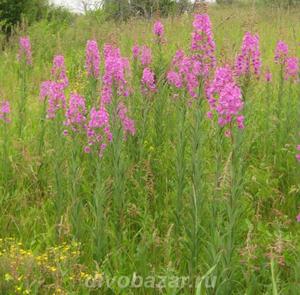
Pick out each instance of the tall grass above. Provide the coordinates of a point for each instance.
(172, 193)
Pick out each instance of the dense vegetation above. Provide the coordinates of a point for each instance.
(166, 163)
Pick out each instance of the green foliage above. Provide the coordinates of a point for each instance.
(236, 229)
(12, 12)
(124, 9)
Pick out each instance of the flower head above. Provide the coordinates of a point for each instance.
(76, 112)
(225, 98)
(203, 45)
(4, 111)
(127, 123)
(158, 29)
(291, 69)
(145, 56)
(281, 52)
(268, 76)
(25, 50)
(58, 71)
(148, 81)
(114, 77)
(98, 130)
(298, 155)
(54, 92)
(135, 51)
(185, 73)
(92, 61)
(249, 60)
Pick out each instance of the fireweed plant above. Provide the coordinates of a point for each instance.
(167, 162)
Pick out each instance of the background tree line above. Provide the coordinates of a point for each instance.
(13, 12)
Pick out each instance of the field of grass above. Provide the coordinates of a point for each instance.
(175, 204)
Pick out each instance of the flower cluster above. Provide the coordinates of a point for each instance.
(143, 54)
(127, 123)
(25, 50)
(4, 111)
(203, 45)
(76, 112)
(291, 69)
(281, 52)
(225, 97)
(98, 130)
(54, 92)
(148, 81)
(92, 61)
(158, 29)
(249, 60)
(135, 51)
(58, 71)
(185, 73)
(268, 76)
(114, 78)
(298, 155)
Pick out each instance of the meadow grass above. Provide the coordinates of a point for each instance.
(176, 199)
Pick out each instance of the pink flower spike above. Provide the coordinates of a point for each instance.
(158, 29)
(135, 51)
(92, 62)
(292, 69)
(4, 111)
(203, 45)
(225, 98)
(298, 218)
(281, 52)
(76, 113)
(148, 81)
(58, 71)
(268, 76)
(127, 123)
(249, 60)
(145, 56)
(25, 50)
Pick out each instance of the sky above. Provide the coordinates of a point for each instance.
(76, 5)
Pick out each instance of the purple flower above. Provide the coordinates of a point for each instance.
(127, 123)
(185, 73)
(291, 69)
(203, 45)
(54, 92)
(268, 76)
(158, 29)
(58, 71)
(98, 131)
(148, 81)
(25, 50)
(92, 61)
(298, 218)
(76, 113)
(4, 111)
(249, 60)
(135, 51)
(145, 56)
(114, 77)
(174, 79)
(281, 52)
(225, 98)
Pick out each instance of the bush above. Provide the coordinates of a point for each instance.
(12, 12)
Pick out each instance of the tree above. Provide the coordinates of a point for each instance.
(12, 12)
